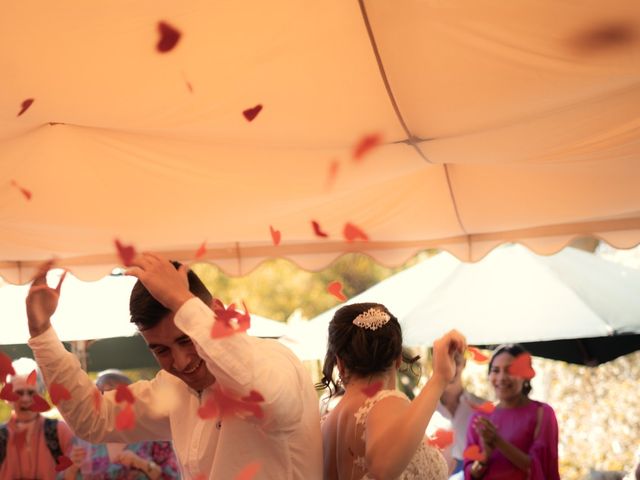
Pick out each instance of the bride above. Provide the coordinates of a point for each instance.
(375, 432)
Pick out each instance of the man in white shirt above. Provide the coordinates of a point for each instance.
(456, 405)
(171, 308)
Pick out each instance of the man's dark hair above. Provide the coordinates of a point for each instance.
(146, 311)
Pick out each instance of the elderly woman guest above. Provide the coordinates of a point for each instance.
(520, 437)
(375, 431)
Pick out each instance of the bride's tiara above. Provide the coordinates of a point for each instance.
(372, 319)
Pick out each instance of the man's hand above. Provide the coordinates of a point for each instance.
(445, 350)
(42, 300)
(167, 285)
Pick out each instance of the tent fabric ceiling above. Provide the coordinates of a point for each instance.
(499, 123)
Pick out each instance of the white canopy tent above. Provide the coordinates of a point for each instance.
(499, 122)
(512, 295)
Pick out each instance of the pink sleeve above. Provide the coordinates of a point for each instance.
(65, 435)
(544, 451)
(472, 439)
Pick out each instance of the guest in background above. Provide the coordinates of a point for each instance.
(520, 437)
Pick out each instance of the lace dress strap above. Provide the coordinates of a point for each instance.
(363, 412)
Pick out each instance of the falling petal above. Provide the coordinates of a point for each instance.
(317, 230)
(275, 235)
(371, 390)
(32, 379)
(169, 37)
(335, 289)
(441, 439)
(251, 113)
(25, 106)
(58, 393)
(126, 252)
(365, 145)
(249, 472)
(473, 453)
(124, 394)
(39, 404)
(352, 233)
(202, 249)
(521, 367)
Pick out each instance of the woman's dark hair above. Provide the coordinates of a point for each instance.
(146, 311)
(513, 349)
(363, 351)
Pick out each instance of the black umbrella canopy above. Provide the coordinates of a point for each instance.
(592, 351)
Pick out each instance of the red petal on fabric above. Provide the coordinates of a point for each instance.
(371, 390)
(275, 235)
(63, 463)
(352, 233)
(97, 400)
(25, 106)
(126, 252)
(123, 394)
(477, 356)
(365, 145)
(335, 289)
(58, 393)
(486, 407)
(209, 409)
(221, 329)
(32, 379)
(317, 230)
(126, 419)
(473, 453)
(251, 113)
(253, 396)
(19, 438)
(25, 193)
(39, 404)
(169, 37)
(522, 367)
(7, 394)
(334, 166)
(202, 249)
(442, 438)
(228, 405)
(5, 367)
(249, 472)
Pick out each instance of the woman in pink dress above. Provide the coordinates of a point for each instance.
(519, 439)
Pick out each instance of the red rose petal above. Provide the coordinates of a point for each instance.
(223, 326)
(249, 472)
(39, 404)
(317, 230)
(126, 419)
(352, 233)
(7, 394)
(335, 289)
(32, 378)
(476, 355)
(275, 235)
(202, 249)
(209, 409)
(63, 463)
(5, 367)
(25, 193)
(251, 113)
(126, 252)
(442, 438)
(253, 397)
(25, 106)
(522, 367)
(123, 394)
(365, 145)
(486, 407)
(473, 453)
(371, 390)
(169, 37)
(58, 393)
(334, 166)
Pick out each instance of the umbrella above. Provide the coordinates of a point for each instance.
(514, 295)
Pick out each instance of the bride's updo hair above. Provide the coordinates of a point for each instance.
(363, 351)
